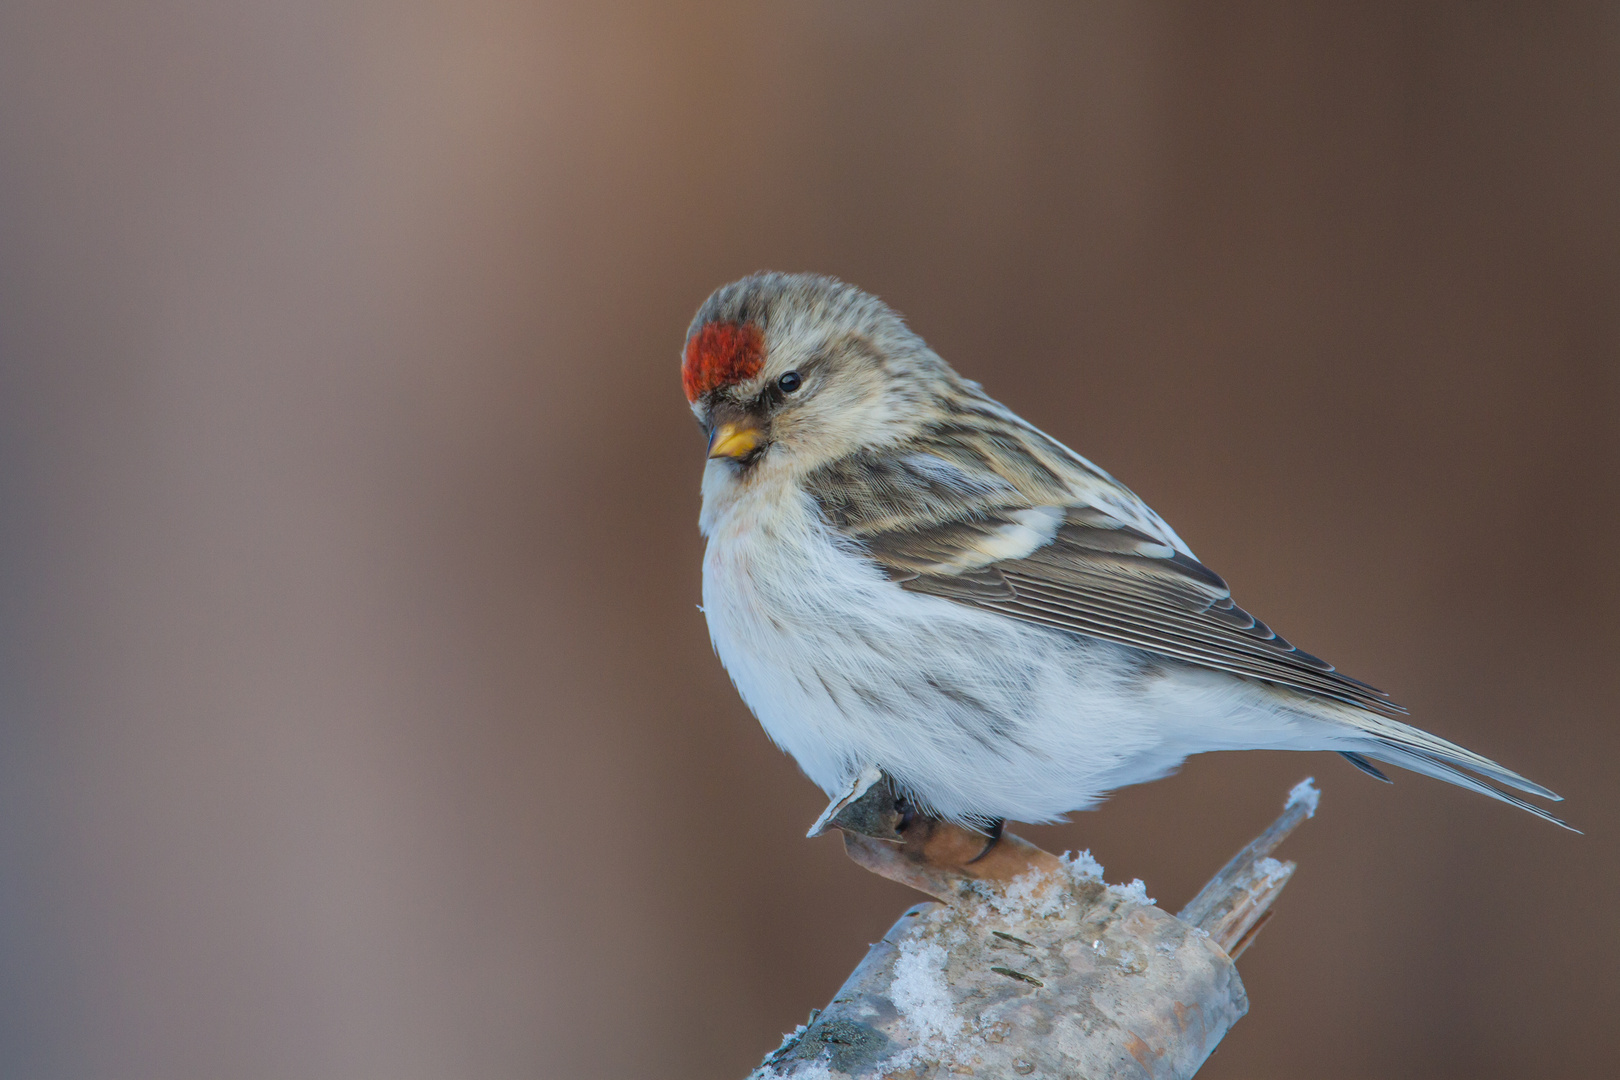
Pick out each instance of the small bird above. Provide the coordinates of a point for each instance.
(904, 576)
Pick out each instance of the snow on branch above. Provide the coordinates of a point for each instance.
(1029, 964)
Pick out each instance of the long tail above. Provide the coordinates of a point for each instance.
(1412, 748)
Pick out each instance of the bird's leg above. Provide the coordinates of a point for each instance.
(887, 834)
(994, 837)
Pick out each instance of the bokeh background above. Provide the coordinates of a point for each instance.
(358, 720)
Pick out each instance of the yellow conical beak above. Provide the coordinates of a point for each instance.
(733, 441)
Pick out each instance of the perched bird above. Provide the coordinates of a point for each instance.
(903, 575)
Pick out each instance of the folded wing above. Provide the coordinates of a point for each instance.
(968, 536)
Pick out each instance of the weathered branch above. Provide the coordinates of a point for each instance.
(1032, 965)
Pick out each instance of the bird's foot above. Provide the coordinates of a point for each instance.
(853, 810)
(889, 835)
(871, 806)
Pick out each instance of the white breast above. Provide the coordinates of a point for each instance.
(976, 713)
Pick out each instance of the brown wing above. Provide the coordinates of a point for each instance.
(1076, 568)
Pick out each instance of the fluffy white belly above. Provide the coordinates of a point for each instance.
(976, 713)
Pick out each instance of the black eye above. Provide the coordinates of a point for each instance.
(790, 382)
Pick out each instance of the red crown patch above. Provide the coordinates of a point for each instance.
(721, 354)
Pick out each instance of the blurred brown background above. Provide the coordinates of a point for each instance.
(358, 721)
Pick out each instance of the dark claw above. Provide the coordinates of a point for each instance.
(994, 833)
(907, 812)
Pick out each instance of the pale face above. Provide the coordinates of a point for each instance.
(816, 391)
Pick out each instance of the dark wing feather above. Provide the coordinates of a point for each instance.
(1096, 575)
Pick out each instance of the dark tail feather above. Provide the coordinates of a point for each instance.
(1420, 762)
(1365, 766)
(1393, 735)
